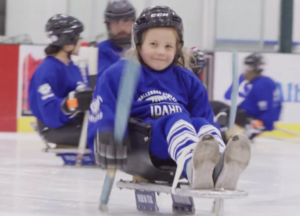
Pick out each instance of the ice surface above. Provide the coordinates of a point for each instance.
(37, 184)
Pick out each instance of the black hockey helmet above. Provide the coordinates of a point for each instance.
(256, 61)
(157, 16)
(119, 9)
(63, 30)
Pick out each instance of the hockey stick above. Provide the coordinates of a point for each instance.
(124, 101)
(93, 65)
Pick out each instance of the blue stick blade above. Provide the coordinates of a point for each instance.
(106, 188)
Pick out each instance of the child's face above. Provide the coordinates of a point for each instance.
(159, 47)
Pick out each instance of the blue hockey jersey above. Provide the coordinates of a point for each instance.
(49, 85)
(172, 90)
(262, 101)
(108, 54)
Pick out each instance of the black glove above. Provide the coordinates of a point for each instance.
(77, 101)
(109, 154)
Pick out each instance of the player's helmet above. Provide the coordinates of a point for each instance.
(255, 60)
(63, 30)
(119, 10)
(157, 16)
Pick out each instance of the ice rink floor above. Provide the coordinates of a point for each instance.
(34, 183)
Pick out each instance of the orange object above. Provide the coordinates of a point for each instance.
(72, 103)
(257, 124)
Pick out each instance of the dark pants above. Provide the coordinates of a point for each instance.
(68, 135)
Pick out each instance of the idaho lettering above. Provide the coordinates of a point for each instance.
(157, 110)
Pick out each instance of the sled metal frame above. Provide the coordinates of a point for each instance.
(219, 195)
(50, 149)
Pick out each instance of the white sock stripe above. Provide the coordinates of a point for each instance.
(179, 141)
(176, 130)
(208, 129)
(185, 153)
(175, 151)
(174, 136)
(179, 125)
(171, 147)
(181, 135)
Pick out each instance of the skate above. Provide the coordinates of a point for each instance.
(232, 163)
(200, 168)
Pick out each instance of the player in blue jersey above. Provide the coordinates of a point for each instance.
(172, 118)
(261, 103)
(119, 17)
(57, 92)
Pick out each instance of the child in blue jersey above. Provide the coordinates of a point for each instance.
(57, 92)
(174, 102)
(261, 105)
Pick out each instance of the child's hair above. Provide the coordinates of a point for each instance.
(183, 56)
(52, 50)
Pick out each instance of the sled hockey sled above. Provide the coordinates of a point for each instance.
(69, 154)
(154, 176)
(183, 203)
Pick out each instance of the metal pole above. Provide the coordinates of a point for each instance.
(286, 26)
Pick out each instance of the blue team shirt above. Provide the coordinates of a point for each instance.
(172, 90)
(260, 99)
(108, 54)
(49, 86)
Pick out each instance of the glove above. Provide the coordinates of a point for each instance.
(108, 153)
(77, 101)
(254, 128)
(197, 61)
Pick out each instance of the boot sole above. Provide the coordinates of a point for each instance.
(205, 158)
(236, 159)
